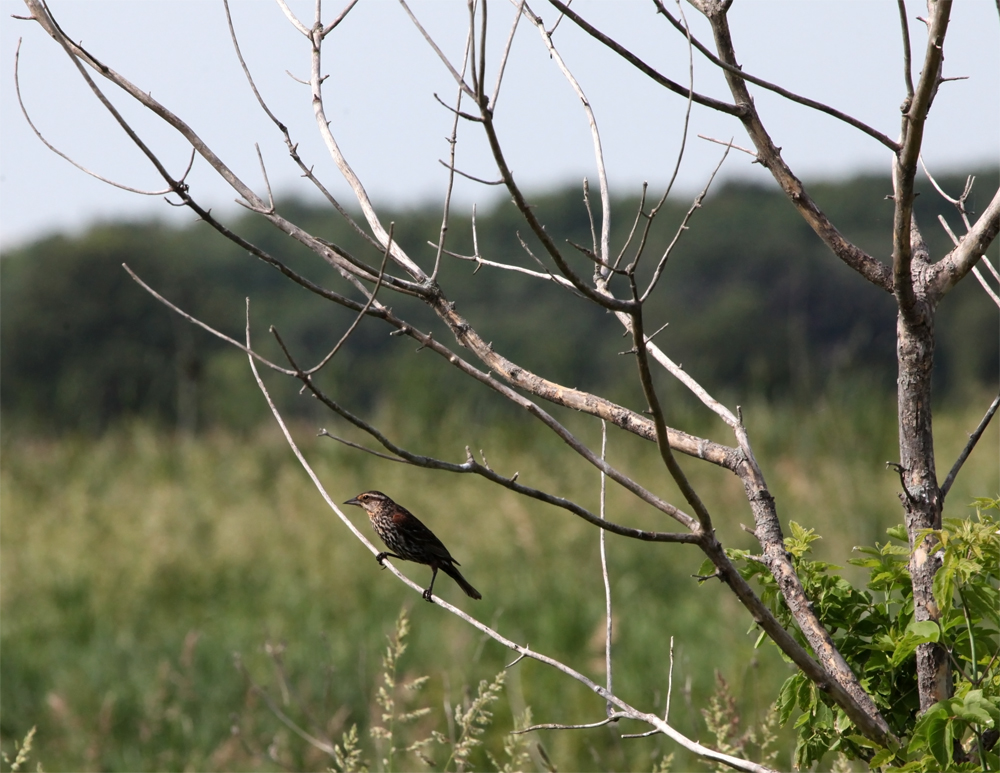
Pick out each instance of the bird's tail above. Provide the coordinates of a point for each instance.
(451, 571)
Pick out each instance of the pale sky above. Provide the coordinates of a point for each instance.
(380, 100)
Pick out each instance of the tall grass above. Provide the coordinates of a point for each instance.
(135, 566)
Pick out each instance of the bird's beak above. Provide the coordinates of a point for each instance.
(353, 501)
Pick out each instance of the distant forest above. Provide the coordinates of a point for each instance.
(753, 303)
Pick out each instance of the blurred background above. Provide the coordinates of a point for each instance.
(154, 522)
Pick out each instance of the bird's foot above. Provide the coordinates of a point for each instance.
(380, 558)
(427, 596)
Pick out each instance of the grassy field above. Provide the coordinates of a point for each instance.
(134, 567)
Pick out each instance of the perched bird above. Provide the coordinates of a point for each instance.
(409, 540)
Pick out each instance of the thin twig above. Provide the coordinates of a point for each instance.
(364, 309)
(323, 433)
(430, 41)
(604, 572)
(662, 264)
(729, 144)
(503, 58)
(614, 716)
(453, 169)
(54, 149)
(267, 182)
(341, 16)
(973, 439)
(639, 64)
(548, 275)
(287, 721)
(452, 144)
(205, 327)
(907, 67)
(874, 133)
(595, 134)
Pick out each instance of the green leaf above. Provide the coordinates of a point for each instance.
(927, 629)
(917, 633)
(898, 532)
(977, 709)
(881, 758)
(786, 698)
(940, 737)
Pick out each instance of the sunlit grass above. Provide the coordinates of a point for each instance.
(135, 565)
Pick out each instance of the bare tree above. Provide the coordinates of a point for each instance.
(612, 280)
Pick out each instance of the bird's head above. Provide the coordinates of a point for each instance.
(372, 501)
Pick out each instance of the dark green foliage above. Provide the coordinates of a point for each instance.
(756, 306)
(875, 630)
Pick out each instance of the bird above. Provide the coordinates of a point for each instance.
(409, 540)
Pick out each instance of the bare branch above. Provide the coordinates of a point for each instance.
(681, 229)
(973, 439)
(595, 134)
(323, 124)
(452, 143)
(956, 264)
(340, 17)
(203, 326)
(907, 57)
(267, 182)
(293, 19)
(677, 165)
(729, 144)
(614, 716)
(351, 444)
(769, 155)
(905, 161)
(640, 213)
(451, 168)
(790, 96)
(608, 620)
(430, 41)
(662, 443)
(54, 149)
(505, 55)
(628, 56)
(472, 466)
(361, 313)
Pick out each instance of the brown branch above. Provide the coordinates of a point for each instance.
(361, 314)
(203, 326)
(662, 443)
(948, 271)
(54, 149)
(452, 144)
(628, 56)
(905, 163)
(695, 206)
(973, 439)
(790, 96)
(907, 56)
(472, 466)
(769, 156)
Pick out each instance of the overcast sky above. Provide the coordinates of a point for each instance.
(380, 99)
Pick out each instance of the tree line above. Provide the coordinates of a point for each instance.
(750, 305)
